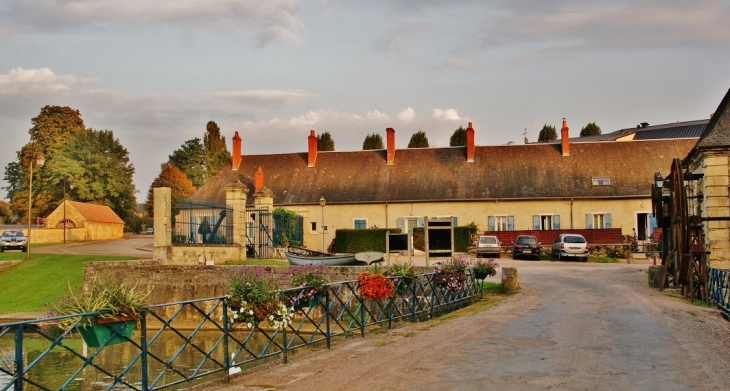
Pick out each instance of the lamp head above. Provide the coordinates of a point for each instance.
(658, 180)
(322, 201)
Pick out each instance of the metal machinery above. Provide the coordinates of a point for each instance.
(677, 209)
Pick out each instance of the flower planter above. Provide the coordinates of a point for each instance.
(480, 275)
(107, 331)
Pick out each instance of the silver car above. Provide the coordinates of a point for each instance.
(570, 246)
(488, 246)
(13, 240)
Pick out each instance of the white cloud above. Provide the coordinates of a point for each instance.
(377, 115)
(407, 114)
(272, 20)
(278, 96)
(448, 114)
(18, 80)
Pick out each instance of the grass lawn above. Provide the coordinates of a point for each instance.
(31, 284)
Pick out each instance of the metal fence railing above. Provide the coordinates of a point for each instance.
(202, 224)
(180, 344)
(718, 289)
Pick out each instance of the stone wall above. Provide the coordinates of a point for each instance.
(175, 283)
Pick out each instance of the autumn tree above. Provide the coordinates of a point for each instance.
(90, 164)
(591, 129)
(190, 158)
(172, 177)
(372, 141)
(418, 140)
(325, 142)
(458, 138)
(547, 133)
(216, 154)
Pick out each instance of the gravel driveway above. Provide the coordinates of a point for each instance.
(573, 326)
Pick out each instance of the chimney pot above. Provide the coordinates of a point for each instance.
(564, 139)
(312, 149)
(236, 158)
(390, 143)
(258, 180)
(470, 144)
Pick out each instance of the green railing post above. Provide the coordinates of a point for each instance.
(284, 346)
(226, 361)
(362, 316)
(19, 357)
(143, 344)
(328, 332)
(413, 301)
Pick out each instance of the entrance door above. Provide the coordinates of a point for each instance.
(645, 224)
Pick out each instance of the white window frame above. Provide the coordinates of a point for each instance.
(501, 222)
(313, 227)
(601, 181)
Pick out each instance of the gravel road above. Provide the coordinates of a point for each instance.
(573, 327)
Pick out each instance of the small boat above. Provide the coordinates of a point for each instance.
(303, 256)
(369, 256)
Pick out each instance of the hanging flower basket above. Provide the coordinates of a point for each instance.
(107, 331)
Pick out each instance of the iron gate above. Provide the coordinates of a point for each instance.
(269, 231)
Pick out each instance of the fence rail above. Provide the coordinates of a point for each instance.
(190, 342)
(718, 286)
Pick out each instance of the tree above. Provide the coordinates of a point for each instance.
(92, 161)
(325, 142)
(458, 138)
(179, 184)
(372, 141)
(190, 158)
(216, 154)
(547, 133)
(591, 129)
(418, 140)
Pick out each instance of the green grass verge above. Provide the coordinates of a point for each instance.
(32, 283)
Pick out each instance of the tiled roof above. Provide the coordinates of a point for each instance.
(717, 133)
(686, 129)
(526, 171)
(96, 213)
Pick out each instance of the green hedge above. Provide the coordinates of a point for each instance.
(358, 240)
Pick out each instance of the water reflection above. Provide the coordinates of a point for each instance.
(169, 360)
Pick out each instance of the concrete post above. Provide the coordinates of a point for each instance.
(162, 223)
(236, 200)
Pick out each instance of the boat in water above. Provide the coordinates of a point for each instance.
(303, 256)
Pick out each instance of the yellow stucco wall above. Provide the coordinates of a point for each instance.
(715, 167)
(572, 214)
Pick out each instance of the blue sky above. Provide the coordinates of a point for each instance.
(155, 72)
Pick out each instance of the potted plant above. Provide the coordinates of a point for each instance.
(402, 275)
(308, 285)
(374, 285)
(253, 299)
(483, 269)
(113, 307)
(451, 275)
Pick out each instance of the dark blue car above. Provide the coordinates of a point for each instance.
(526, 246)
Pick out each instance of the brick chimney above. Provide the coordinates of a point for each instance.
(390, 140)
(564, 143)
(470, 144)
(258, 180)
(312, 149)
(236, 158)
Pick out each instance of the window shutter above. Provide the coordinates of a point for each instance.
(402, 225)
(589, 221)
(556, 221)
(421, 222)
(535, 222)
(490, 223)
(510, 223)
(455, 221)
(607, 220)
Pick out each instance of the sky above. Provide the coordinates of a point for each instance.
(155, 72)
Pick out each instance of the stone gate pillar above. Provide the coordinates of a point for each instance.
(162, 223)
(236, 200)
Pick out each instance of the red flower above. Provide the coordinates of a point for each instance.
(375, 286)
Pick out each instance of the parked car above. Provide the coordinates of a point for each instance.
(570, 246)
(13, 240)
(488, 246)
(526, 246)
(150, 231)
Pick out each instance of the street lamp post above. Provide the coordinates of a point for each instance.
(322, 201)
(39, 161)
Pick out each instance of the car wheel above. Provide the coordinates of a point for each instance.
(2, 249)
(499, 255)
(585, 259)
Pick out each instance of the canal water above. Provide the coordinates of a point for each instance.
(61, 369)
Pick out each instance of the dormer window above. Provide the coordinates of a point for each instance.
(601, 181)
